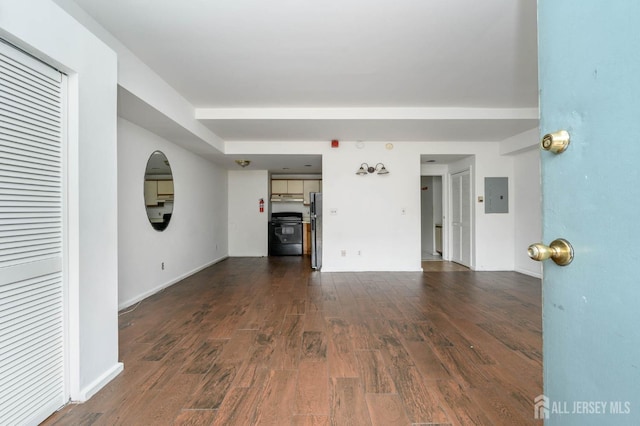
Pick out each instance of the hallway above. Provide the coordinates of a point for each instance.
(268, 341)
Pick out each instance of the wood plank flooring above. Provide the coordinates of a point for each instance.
(442, 266)
(268, 341)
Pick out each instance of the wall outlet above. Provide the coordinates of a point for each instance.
(162, 266)
(343, 253)
(359, 252)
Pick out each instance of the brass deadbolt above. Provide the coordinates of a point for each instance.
(556, 142)
(560, 251)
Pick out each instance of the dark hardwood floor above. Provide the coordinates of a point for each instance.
(267, 341)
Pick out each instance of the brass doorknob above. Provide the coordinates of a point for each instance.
(560, 251)
(556, 142)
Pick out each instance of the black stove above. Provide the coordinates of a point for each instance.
(286, 217)
(285, 234)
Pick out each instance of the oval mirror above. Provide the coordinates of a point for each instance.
(158, 191)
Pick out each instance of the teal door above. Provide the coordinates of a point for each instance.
(589, 63)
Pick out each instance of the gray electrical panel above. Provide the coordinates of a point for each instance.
(496, 195)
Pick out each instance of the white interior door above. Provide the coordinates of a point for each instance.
(461, 218)
(31, 212)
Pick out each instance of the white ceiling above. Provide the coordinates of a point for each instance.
(387, 55)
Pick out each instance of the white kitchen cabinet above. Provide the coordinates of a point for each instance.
(157, 191)
(151, 192)
(284, 186)
(279, 186)
(165, 187)
(295, 186)
(281, 189)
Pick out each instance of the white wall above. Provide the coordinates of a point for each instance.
(525, 151)
(494, 232)
(248, 228)
(41, 28)
(197, 233)
(528, 210)
(369, 209)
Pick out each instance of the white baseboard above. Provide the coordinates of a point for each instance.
(530, 273)
(98, 384)
(142, 296)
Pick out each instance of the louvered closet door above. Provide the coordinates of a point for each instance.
(31, 279)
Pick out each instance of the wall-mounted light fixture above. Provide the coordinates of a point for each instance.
(365, 169)
(243, 163)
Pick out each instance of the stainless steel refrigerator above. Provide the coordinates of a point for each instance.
(315, 213)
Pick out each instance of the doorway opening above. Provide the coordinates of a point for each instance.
(431, 220)
(441, 198)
